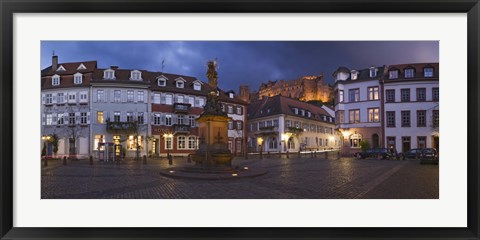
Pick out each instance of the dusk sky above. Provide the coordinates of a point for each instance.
(242, 62)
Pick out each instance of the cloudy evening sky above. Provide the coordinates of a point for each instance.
(242, 62)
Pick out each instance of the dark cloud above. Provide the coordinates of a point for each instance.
(243, 62)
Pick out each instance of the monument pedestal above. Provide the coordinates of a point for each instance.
(213, 152)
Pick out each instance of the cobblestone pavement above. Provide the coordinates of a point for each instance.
(306, 177)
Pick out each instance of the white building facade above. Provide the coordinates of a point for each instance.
(279, 124)
(412, 106)
(358, 107)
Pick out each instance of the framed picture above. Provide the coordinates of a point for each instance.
(137, 129)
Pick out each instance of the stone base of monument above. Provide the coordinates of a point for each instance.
(193, 172)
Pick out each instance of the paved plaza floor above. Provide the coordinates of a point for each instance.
(287, 178)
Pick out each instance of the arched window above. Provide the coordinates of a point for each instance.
(273, 143)
(355, 140)
(291, 143)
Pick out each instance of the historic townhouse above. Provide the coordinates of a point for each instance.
(114, 113)
(391, 106)
(411, 106)
(358, 106)
(281, 124)
(120, 109)
(65, 109)
(176, 102)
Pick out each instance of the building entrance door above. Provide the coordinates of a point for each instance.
(406, 144)
(436, 143)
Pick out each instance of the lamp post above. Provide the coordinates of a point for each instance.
(170, 136)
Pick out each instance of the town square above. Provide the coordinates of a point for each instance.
(204, 130)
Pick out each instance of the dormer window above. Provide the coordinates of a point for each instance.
(393, 74)
(162, 82)
(180, 82)
(409, 73)
(55, 80)
(77, 78)
(61, 69)
(302, 112)
(197, 86)
(309, 114)
(230, 95)
(135, 75)
(373, 72)
(428, 72)
(81, 67)
(354, 75)
(295, 110)
(109, 74)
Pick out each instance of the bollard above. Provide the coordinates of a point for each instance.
(64, 160)
(268, 154)
(311, 154)
(315, 153)
(91, 160)
(170, 160)
(45, 161)
(338, 155)
(326, 155)
(144, 159)
(189, 159)
(261, 155)
(287, 155)
(299, 154)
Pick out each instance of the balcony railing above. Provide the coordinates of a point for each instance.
(181, 107)
(181, 128)
(121, 127)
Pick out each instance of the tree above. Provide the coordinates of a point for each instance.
(55, 144)
(364, 145)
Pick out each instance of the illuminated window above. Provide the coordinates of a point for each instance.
(100, 117)
(373, 93)
(133, 142)
(98, 139)
(373, 115)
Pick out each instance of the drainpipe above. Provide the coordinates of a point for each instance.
(382, 107)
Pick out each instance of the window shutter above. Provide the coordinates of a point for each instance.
(105, 95)
(77, 117)
(124, 95)
(152, 118)
(65, 118)
(241, 125)
(135, 95)
(43, 98)
(163, 99)
(54, 119)
(54, 98)
(145, 117)
(162, 119)
(152, 97)
(96, 96)
(197, 102)
(112, 95)
(174, 119)
(43, 118)
(88, 117)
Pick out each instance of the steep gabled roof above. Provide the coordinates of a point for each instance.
(283, 105)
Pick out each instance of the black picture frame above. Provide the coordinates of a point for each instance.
(9, 7)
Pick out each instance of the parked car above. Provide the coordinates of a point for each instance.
(382, 153)
(425, 155)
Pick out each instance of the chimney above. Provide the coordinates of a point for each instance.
(54, 62)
